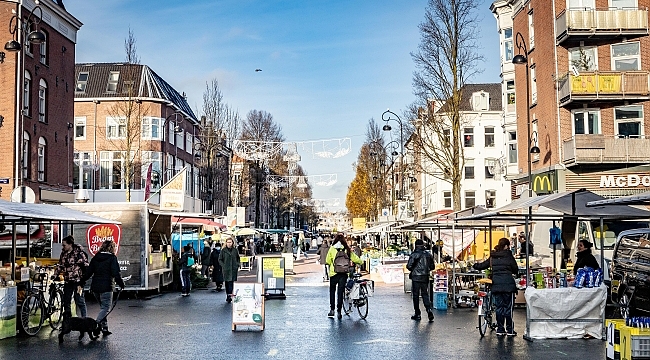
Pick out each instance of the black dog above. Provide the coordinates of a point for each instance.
(83, 325)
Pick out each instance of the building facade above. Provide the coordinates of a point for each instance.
(587, 92)
(37, 101)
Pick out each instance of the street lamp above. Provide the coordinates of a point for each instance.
(383, 151)
(177, 130)
(386, 117)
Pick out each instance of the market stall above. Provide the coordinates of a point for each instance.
(564, 205)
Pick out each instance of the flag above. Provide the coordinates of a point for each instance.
(147, 184)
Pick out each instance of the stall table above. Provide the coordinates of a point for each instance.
(566, 312)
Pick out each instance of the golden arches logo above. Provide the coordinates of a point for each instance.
(540, 181)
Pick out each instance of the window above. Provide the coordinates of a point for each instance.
(507, 45)
(27, 94)
(469, 168)
(446, 195)
(628, 121)
(127, 88)
(512, 147)
(82, 81)
(489, 137)
(188, 142)
(151, 128)
(43, 49)
(41, 159)
(115, 128)
(154, 158)
(113, 77)
(25, 161)
(583, 58)
(171, 133)
(110, 170)
(447, 137)
(481, 101)
(489, 168)
(533, 85)
(586, 122)
(170, 166)
(531, 30)
(85, 160)
(490, 199)
(626, 56)
(623, 4)
(80, 128)
(470, 199)
(468, 137)
(42, 92)
(180, 135)
(582, 4)
(29, 47)
(510, 96)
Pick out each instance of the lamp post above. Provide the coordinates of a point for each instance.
(19, 29)
(166, 133)
(383, 149)
(386, 117)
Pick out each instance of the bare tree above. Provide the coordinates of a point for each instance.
(124, 133)
(446, 58)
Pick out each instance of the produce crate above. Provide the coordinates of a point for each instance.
(440, 300)
(641, 347)
(634, 341)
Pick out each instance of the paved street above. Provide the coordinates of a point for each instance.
(170, 327)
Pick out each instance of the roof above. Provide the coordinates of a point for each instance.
(570, 203)
(493, 89)
(146, 81)
(636, 199)
(24, 212)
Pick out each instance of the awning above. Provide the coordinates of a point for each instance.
(21, 213)
(383, 227)
(636, 199)
(447, 221)
(207, 223)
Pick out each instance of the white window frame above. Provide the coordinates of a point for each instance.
(612, 6)
(189, 142)
(631, 120)
(85, 159)
(481, 101)
(486, 133)
(468, 133)
(42, 101)
(446, 195)
(151, 127)
(154, 158)
(171, 133)
(490, 199)
(180, 139)
(533, 85)
(469, 163)
(581, 4)
(593, 57)
(119, 126)
(27, 93)
(25, 158)
(41, 158)
(107, 163)
(512, 147)
(531, 30)
(586, 112)
(80, 122)
(486, 165)
(80, 86)
(467, 197)
(43, 49)
(626, 57)
(510, 92)
(113, 79)
(508, 48)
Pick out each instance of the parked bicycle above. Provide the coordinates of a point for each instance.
(357, 296)
(40, 305)
(486, 307)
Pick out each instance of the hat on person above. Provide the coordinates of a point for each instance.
(419, 242)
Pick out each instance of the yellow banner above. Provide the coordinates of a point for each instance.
(583, 84)
(272, 264)
(609, 83)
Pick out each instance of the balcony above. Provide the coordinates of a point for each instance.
(603, 85)
(580, 24)
(605, 149)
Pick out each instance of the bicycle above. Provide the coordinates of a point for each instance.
(36, 308)
(357, 296)
(486, 307)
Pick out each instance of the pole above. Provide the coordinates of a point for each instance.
(603, 268)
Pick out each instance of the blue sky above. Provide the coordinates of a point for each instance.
(327, 66)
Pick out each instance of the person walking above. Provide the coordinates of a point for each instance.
(338, 258)
(72, 264)
(420, 265)
(205, 259)
(503, 265)
(104, 270)
(217, 273)
(229, 261)
(187, 261)
(322, 253)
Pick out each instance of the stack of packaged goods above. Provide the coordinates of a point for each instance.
(440, 289)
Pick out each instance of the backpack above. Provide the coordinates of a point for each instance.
(341, 262)
(190, 260)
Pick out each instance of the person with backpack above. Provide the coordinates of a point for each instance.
(338, 258)
(187, 261)
(420, 265)
(229, 261)
(72, 265)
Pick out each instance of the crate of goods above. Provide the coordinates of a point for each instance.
(440, 282)
(613, 327)
(440, 300)
(640, 347)
(634, 343)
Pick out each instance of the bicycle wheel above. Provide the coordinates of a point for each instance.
(55, 309)
(347, 302)
(362, 301)
(31, 315)
(485, 319)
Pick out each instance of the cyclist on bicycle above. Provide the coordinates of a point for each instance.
(503, 284)
(338, 258)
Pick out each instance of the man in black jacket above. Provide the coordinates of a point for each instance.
(420, 265)
(104, 269)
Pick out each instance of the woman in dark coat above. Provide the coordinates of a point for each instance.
(229, 261)
(503, 284)
(584, 257)
(217, 273)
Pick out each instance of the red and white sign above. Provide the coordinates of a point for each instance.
(98, 233)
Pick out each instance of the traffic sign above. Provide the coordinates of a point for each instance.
(4, 180)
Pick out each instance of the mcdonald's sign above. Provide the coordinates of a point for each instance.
(545, 183)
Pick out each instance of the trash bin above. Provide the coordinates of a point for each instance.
(408, 284)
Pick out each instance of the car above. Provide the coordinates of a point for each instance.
(630, 273)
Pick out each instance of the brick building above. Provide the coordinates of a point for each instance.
(37, 116)
(118, 106)
(588, 94)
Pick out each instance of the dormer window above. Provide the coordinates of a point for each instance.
(113, 77)
(481, 101)
(82, 81)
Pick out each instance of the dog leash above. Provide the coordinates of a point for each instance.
(114, 303)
